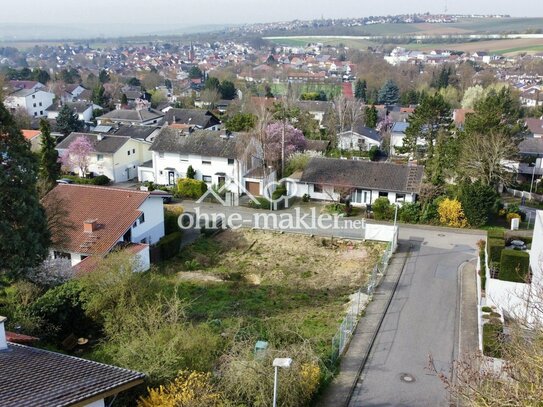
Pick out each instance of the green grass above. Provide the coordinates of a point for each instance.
(533, 48)
(497, 26)
(267, 310)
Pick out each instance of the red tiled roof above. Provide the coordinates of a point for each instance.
(30, 134)
(459, 115)
(348, 90)
(113, 209)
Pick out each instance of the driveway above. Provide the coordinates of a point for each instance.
(422, 320)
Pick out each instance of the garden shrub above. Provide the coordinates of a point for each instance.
(410, 212)
(382, 209)
(511, 216)
(263, 203)
(451, 213)
(492, 332)
(170, 244)
(101, 180)
(280, 191)
(171, 216)
(495, 247)
(190, 188)
(514, 266)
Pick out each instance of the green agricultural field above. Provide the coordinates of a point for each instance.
(497, 26)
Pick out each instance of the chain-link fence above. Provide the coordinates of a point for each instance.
(359, 301)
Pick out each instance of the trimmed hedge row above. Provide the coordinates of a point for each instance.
(514, 266)
(169, 245)
(98, 180)
(495, 248)
(496, 234)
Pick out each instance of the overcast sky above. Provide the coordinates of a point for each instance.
(194, 12)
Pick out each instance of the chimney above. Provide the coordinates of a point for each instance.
(99, 137)
(3, 341)
(90, 225)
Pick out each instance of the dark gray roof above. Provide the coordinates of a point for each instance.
(206, 143)
(531, 145)
(39, 378)
(317, 145)
(367, 132)
(364, 175)
(400, 127)
(132, 115)
(193, 117)
(137, 132)
(108, 145)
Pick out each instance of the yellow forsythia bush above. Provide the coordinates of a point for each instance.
(189, 389)
(511, 216)
(451, 213)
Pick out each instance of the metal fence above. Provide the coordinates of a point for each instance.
(348, 325)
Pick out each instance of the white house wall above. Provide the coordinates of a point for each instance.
(152, 229)
(180, 163)
(328, 194)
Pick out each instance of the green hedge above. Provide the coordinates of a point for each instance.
(190, 188)
(492, 332)
(169, 245)
(496, 234)
(495, 248)
(482, 272)
(514, 266)
(99, 180)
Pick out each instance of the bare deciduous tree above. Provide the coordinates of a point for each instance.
(484, 157)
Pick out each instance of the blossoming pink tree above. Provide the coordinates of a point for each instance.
(78, 155)
(294, 141)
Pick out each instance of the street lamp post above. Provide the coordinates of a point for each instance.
(277, 363)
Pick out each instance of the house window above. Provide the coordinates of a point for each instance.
(133, 151)
(400, 197)
(40, 104)
(41, 112)
(141, 219)
(206, 162)
(33, 96)
(230, 161)
(206, 178)
(36, 114)
(383, 194)
(99, 157)
(34, 105)
(317, 188)
(128, 152)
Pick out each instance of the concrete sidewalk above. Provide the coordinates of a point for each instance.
(468, 341)
(339, 391)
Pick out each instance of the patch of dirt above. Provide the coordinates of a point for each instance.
(198, 276)
(297, 260)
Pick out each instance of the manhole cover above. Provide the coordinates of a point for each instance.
(407, 378)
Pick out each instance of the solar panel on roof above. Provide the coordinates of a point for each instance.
(102, 129)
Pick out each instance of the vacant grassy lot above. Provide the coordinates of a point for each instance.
(268, 284)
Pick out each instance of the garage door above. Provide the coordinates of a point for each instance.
(253, 188)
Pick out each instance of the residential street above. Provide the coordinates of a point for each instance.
(422, 320)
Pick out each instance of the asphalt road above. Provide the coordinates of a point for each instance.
(422, 320)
